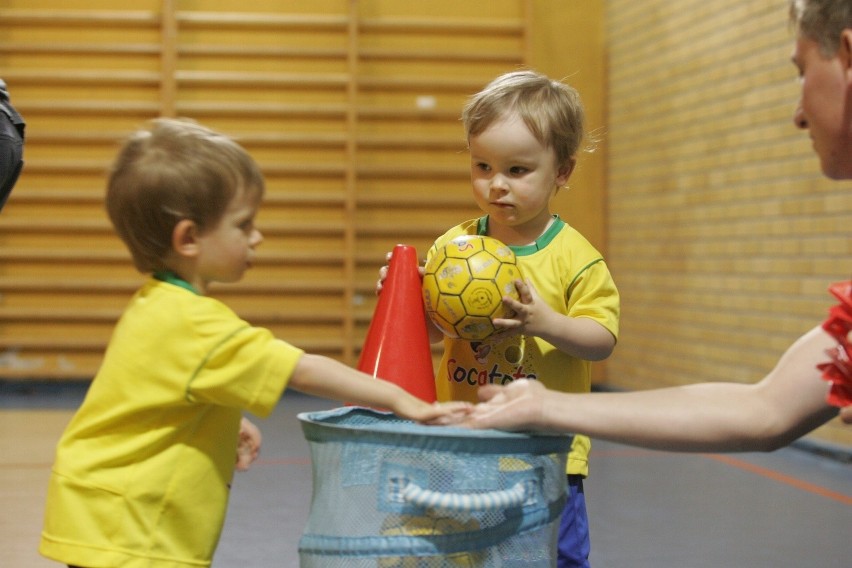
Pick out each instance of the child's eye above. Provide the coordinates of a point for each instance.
(484, 167)
(518, 170)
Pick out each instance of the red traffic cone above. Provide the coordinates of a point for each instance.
(397, 345)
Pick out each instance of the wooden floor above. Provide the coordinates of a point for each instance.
(647, 509)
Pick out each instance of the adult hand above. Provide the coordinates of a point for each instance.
(516, 406)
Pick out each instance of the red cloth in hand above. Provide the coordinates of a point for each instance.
(838, 371)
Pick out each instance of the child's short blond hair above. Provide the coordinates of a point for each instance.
(173, 170)
(550, 109)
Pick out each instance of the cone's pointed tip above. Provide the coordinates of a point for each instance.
(403, 249)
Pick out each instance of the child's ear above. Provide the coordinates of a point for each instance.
(565, 172)
(184, 238)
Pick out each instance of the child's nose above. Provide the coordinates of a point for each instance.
(498, 183)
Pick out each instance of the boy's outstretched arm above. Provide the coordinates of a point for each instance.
(324, 377)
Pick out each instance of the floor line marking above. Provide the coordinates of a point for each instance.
(782, 478)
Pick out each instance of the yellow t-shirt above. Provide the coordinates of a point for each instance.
(142, 472)
(571, 276)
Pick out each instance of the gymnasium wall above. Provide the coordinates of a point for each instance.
(723, 236)
(351, 107)
(720, 232)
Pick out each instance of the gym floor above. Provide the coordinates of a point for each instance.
(648, 509)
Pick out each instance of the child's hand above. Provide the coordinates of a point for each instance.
(579, 337)
(248, 445)
(531, 313)
(383, 273)
(435, 414)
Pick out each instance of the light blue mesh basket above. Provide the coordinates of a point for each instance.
(391, 493)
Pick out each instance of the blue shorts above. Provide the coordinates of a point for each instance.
(574, 544)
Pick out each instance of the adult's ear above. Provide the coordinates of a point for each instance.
(845, 51)
(185, 238)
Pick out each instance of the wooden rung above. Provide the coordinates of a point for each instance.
(96, 198)
(277, 199)
(409, 200)
(313, 287)
(73, 225)
(508, 57)
(83, 344)
(245, 109)
(231, 20)
(70, 374)
(289, 317)
(65, 48)
(13, 284)
(306, 258)
(89, 77)
(41, 343)
(71, 285)
(422, 84)
(68, 225)
(443, 26)
(71, 256)
(297, 139)
(414, 172)
(264, 52)
(255, 109)
(100, 167)
(408, 113)
(74, 138)
(57, 316)
(63, 196)
(389, 142)
(101, 108)
(307, 170)
(284, 139)
(408, 229)
(246, 79)
(79, 18)
(62, 167)
(64, 255)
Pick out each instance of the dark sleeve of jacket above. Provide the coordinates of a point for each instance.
(11, 144)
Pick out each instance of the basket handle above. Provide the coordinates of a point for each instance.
(505, 499)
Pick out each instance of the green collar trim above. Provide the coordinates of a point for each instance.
(171, 278)
(526, 250)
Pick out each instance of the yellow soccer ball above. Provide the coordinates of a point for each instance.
(464, 285)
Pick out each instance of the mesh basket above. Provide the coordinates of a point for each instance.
(391, 493)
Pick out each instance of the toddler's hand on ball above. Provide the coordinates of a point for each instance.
(529, 312)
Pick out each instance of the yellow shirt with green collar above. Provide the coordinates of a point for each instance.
(572, 277)
(143, 470)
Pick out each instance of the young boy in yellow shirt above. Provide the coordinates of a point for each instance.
(143, 470)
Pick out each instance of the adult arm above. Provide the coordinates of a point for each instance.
(722, 417)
